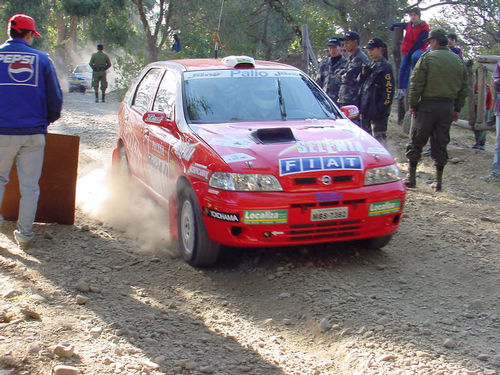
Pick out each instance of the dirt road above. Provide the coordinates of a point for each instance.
(108, 296)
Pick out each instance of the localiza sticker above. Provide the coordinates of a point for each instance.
(265, 217)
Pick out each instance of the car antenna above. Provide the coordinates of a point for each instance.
(216, 33)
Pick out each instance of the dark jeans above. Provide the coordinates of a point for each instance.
(433, 121)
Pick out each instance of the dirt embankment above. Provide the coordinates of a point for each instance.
(107, 295)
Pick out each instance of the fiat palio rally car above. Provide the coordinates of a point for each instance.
(251, 153)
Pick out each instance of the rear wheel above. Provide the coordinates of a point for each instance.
(376, 242)
(121, 168)
(196, 247)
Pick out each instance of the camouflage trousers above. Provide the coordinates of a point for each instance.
(433, 120)
(99, 77)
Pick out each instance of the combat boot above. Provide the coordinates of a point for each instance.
(103, 97)
(411, 179)
(438, 184)
(96, 97)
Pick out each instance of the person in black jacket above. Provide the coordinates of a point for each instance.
(326, 77)
(377, 90)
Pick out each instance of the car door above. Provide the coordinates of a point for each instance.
(162, 139)
(138, 138)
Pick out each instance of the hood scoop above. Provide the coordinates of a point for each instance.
(273, 135)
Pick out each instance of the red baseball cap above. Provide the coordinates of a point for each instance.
(20, 22)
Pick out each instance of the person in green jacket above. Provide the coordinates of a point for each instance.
(438, 88)
(99, 62)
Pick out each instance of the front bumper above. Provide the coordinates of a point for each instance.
(284, 219)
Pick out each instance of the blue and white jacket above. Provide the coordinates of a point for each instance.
(30, 95)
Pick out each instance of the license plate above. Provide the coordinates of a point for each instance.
(325, 214)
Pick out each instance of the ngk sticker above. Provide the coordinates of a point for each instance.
(18, 69)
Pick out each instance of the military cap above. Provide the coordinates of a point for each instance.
(438, 33)
(334, 41)
(351, 35)
(374, 43)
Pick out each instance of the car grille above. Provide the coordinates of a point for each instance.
(314, 180)
(326, 229)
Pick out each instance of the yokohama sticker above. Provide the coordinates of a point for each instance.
(265, 217)
(224, 216)
(198, 170)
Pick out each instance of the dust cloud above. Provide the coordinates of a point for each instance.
(118, 203)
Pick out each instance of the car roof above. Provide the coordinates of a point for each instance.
(204, 64)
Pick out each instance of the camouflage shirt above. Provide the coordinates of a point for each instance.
(326, 77)
(349, 92)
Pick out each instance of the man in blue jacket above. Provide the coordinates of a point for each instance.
(30, 99)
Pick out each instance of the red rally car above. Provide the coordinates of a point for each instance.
(249, 153)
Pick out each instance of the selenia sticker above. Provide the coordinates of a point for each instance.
(237, 157)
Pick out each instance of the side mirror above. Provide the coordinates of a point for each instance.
(159, 119)
(350, 111)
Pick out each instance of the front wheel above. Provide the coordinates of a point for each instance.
(195, 246)
(376, 242)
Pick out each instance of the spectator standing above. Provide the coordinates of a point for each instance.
(438, 88)
(327, 79)
(452, 41)
(100, 63)
(377, 91)
(413, 46)
(30, 99)
(177, 45)
(495, 167)
(480, 135)
(349, 92)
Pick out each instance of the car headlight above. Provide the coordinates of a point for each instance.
(244, 182)
(381, 175)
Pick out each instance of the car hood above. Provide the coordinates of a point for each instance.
(267, 147)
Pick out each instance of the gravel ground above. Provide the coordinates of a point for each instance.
(110, 296)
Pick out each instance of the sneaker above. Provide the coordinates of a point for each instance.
(22, 242)
(491, 177)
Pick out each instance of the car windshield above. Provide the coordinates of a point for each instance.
(83, 69)
(254, 95)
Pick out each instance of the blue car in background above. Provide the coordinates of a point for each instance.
(80, 79)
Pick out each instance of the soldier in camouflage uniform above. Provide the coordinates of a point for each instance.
(326, 78)
(99, 62)
(438, 89)
(349, 92)
(377, 91)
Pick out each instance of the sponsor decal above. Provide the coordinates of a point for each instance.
(377, 150)
(319, 163)
(224, 216)
(155, 119)
(241, 73)
(265, 217)
(232, 142)
(325, 146)
(237, 157)
(213, 191)
(22, 68)
(157, 149)
(329, 197)
(184, 150)
(384, 208)
(198, 170)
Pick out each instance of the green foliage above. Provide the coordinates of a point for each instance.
(81, 7)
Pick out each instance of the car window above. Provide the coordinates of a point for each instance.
(256, 95)
(83, 69)
(165, 98)
(146, 90)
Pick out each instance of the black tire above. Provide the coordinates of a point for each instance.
(121, 168)
(196, 247)
(376, 242)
